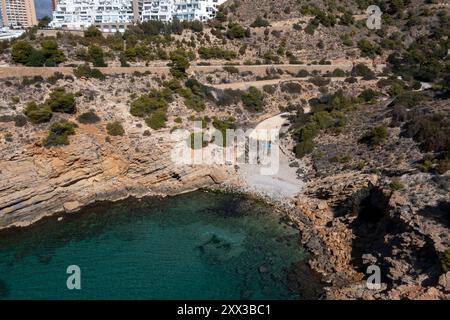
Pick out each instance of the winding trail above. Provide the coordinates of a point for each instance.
(261, 83)
(7, 71)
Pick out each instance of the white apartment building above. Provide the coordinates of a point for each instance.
(167, 10)
(115, 15)
(81, 14)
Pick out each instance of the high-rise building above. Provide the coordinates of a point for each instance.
(137, 9)
(18, 13)
(167, 10)
(112, 15)
(116, 15)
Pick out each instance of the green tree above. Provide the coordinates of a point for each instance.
(96, 56)
(21, 51)
(115, 129)
(52, 54)
(147, 104)
(38, 113)
(36, 59)
(92, 32)
(253, 100)
(260, 23)
(60, 101)
(179, 63)
(43, 22)
(376, 136)
(157, 120)
(369, 48)
(347, 19)
(236, 31)
(85, 71)
(59, 133)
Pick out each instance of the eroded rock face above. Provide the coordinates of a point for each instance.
(360, 222)
(41, 181)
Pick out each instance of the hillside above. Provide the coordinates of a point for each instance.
(87, 116)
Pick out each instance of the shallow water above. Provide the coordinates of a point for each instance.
(193, 246)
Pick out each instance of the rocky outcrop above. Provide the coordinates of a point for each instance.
(36, 181)
(352, 221)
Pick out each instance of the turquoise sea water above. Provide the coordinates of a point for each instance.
(193, 246)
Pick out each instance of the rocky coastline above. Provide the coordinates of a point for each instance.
(48, 182)
(349, 217)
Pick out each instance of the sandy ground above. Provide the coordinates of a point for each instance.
(283, 184)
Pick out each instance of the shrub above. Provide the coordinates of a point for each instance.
(55, 77)
(216, 53)
(21, 51)
(291, 87)
(85, 71)
(197, 140)
(115, 129)
(96, 56)
(369, 48)
(302, 74)
(195, 103)
(396, 184)
(409, 99)
(443, 166)
(376, 136)
(147, 104)
(319, 81)
(38, 113)
(260, 23)
(310, 28)
(59, 133)
(351, 80)
(323, 119)
(303, 148)
(338, 73)
(222, 126)
(157, 120)
(431, 131)
(347, 19)
(92, 32)
(20, 121)
(253, 100)
(236, 31)
(327, 20)
(36, 59)
(178, 120)
(445, 261)
(88, 118)
(173, 85)
(361, 70)
(53, 56)
(60, 101)
(228, 97)
(179, 63)
(8, 137)
(231, 69)
(269, 89)
(369, 95)
(396, 89)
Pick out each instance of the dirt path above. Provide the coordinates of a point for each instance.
(19, 71)
(262, 83)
